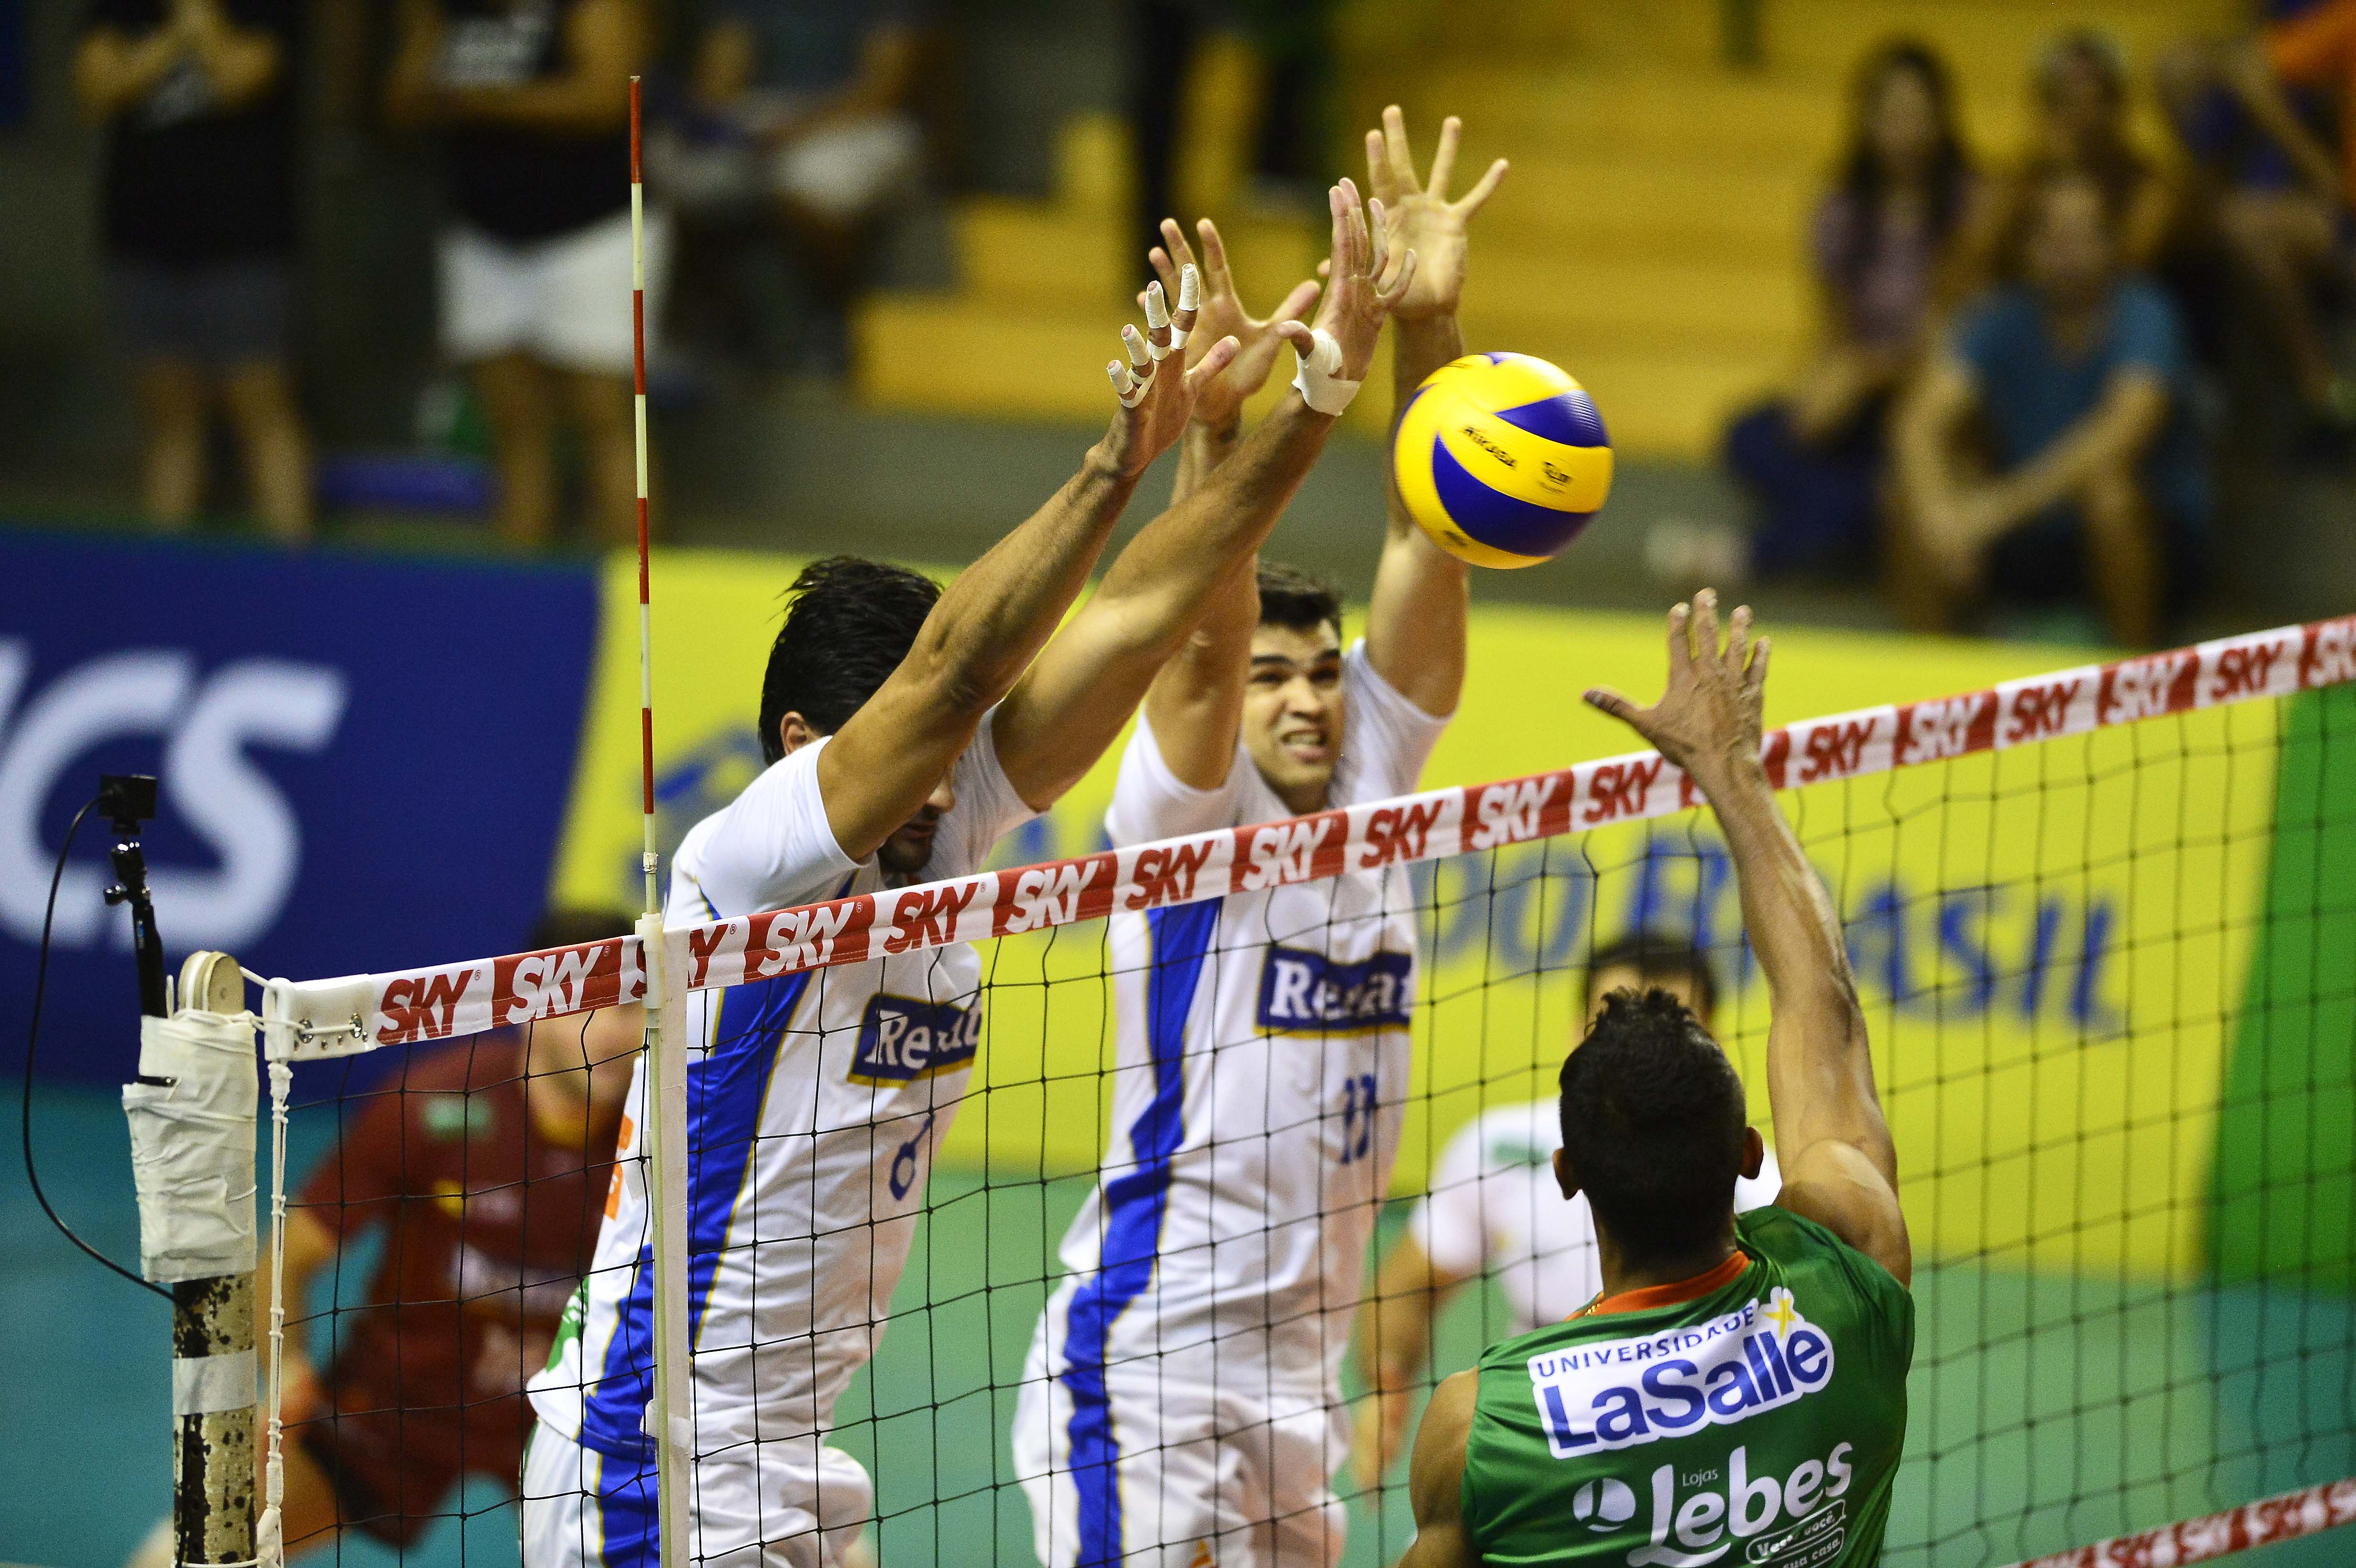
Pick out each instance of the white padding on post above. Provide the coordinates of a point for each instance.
(1319, 380)
(206, 1385)
(192, 1147)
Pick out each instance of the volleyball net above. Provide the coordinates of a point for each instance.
(2103, 921)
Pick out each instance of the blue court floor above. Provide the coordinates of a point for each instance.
(2046, 1411)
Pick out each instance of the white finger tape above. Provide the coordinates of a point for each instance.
(1157, 319)
(1125, 386)
(1190, 287)
(1318, 379)
(206, 1385)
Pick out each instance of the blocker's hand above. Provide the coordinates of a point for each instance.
(1357, 300)
(1221, 401)
(1419, 217)
(1157, 392)
(1707, 722)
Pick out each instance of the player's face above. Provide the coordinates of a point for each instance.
(1903, 123)
(1292, 712)
(2070, 251)
(1628, 977)
(909, 848)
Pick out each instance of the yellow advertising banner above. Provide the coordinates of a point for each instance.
(2050, 940)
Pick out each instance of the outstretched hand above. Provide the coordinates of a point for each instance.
(1419, 214)
(1220, 401)
(1156, 389)
(1709, 718)
(1358, 299)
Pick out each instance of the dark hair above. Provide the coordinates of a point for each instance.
(848, 623)
(1860, 176)
(572, 927)
(1653, 1120)
(1656, 956)
(1291, 597)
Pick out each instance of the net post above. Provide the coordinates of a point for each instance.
(670, 1422)
(213, 1387)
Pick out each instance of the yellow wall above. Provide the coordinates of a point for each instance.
(2033, 1095)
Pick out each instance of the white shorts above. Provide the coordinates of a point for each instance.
(804, 1508)
(1148, 1463)
(564, 301)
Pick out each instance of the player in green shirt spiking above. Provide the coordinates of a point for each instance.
(1738, 1392)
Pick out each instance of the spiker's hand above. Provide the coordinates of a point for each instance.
(1708, 721)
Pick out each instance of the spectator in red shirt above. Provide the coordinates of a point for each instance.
(485, 1163)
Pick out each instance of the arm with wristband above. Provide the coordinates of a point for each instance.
(1083, 687)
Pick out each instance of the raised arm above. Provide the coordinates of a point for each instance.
(114, 69)
(1074, 701)
(1839, 1166)
(993, 620)
(1414, 626)
(1195, 702)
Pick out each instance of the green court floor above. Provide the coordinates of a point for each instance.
(2047, 1410)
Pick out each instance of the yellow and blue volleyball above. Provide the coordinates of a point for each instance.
(1501, 458)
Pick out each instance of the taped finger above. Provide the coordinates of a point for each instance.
(1157, 322)
(1125, 387)
(1190, 299)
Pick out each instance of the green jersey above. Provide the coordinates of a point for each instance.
(1758, 1419)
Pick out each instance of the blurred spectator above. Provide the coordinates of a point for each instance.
(533, 96)
(198, 224)
(2096, 481)
(1284, 45)
(1884, 247)
(2252, 119)
(800, 128)
(2081, 92)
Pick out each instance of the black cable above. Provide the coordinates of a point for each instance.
(32, 1039)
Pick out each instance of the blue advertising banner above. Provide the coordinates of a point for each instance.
(364, 763)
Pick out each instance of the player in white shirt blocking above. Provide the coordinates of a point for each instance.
(1494, 1207)
(907, 730)
(1180, 1404)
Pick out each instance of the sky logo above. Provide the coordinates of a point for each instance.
(1304, 992)
(1619, 1394)
(901, 1039)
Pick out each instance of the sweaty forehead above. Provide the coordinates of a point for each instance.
(1299, 646)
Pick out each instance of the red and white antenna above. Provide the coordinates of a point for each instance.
(664, 1070)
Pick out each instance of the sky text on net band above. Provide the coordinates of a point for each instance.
(357, 1013)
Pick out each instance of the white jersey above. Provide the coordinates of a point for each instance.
(815, 1102)
(1494, 1209)
(1258, 1097)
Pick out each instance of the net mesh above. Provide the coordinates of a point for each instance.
(2109, 968)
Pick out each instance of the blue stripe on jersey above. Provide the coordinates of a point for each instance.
(629, 1526)
(1134, 1205)
(724, 1096)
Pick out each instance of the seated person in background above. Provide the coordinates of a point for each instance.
(485, 1162)
(2097, 481)
(532, 97)
(1884, 249)
(1742, 1378)
(2080, 106)
(1493, 1208)
(198, 235)
(798, 137)
(2249, 116)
